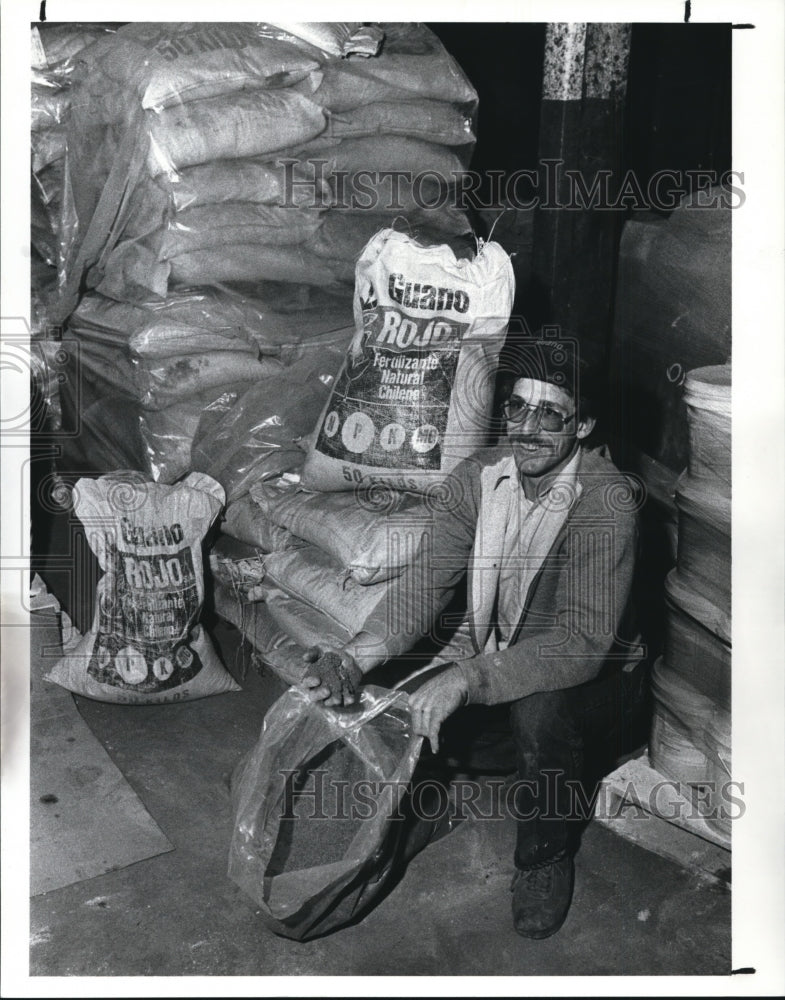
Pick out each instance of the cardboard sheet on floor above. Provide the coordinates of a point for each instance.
(85, 819)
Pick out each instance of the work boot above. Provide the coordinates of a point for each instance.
(541, 896)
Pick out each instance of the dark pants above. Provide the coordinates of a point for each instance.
(558, 744)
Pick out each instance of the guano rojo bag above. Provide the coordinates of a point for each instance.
(415, 394)
(311, 876)
(146, 644)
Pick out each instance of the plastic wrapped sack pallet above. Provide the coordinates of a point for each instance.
(182, 363)
(308, 876)
(416, 392)
(162, 382)
(146, 644)
(198, 319)
(159, 98)
(173, 117)
(54, 51)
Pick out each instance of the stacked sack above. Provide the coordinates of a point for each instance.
(314, 566)
(203, 153)
(154, 375)
(691, 734)
(211, 161)
(413, 397)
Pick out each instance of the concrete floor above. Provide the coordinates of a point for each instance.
(178, 914)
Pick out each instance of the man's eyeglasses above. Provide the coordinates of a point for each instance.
(516, 411)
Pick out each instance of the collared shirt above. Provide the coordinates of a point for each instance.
(532, 527)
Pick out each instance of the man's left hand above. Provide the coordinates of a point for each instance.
(435, 701)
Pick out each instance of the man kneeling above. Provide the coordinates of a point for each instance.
(544, 531)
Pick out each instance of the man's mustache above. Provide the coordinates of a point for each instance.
(517, 439)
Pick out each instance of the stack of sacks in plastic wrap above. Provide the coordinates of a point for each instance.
(55, 49)
(691, 731)
(210, 157)
(413, 398)
(203, 153)
(155, 377)
(54, 52)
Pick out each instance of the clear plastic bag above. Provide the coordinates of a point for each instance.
(341, 38)
(168, 434)
(312, 873)
(55, 46)
(181, 365)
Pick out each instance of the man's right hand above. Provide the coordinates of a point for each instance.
(333, 677)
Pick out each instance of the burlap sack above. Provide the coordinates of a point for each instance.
(164, 381)
(237, 125)
(146, 644)
(432, 121)
(344, 233)
(162, 64)
(248, 262)
(244, 180)
(412, 65)
(236, 223)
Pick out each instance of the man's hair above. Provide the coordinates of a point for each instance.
(560, 362)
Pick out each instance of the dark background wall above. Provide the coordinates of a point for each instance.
(678, 113)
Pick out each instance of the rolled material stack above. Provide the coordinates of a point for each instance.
(691, 733)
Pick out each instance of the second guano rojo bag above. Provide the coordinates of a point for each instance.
(415, 394)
